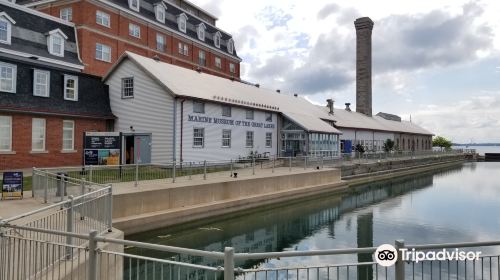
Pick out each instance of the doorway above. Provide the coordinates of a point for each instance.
(137, 148)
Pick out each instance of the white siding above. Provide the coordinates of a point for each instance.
(213, 149)
(150, 111)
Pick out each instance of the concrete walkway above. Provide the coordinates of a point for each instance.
(14, 206)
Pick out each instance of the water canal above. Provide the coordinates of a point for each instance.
(456, 204)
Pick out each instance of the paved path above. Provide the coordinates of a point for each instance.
(13, 207)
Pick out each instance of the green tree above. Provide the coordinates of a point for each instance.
(388, 145)
(441, 142)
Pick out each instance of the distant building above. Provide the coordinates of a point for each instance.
(46, 103)
(175, 31)
(171, 113)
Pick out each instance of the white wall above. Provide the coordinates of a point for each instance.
(213, 149)
(150, 111)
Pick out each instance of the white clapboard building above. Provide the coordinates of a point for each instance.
(167, 113)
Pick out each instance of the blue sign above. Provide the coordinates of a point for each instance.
(12, 184)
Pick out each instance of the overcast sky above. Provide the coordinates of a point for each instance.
(438, 61)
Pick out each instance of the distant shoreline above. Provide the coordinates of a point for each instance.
(480, 145)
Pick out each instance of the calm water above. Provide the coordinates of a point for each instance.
(481, 149)
(452, 205)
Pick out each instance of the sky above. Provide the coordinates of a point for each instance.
(434, 62)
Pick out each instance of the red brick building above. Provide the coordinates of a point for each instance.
(176, 31)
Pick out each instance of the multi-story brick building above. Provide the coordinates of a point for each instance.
(46, 103)
(176, 31)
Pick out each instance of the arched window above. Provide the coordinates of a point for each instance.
(230, 46)
(160, 12)
(201, 31)
(134, 5)
(182, 22)
(217, 38)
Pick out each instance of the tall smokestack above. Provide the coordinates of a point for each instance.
(364, 28)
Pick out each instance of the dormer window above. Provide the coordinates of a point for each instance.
(217, 37)
(201, 31)
(5, 28)
(182, 22)
(230, 46)
(160, 12)
(134, 5)
(55, 42)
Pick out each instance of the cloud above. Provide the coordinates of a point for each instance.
(328, 10)
(274, 17)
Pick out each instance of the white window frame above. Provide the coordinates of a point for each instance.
(230, 46)
(103, 18)
(104, 50)
(218, 62)
(269, 139)
(66, 13)
(33, 134)
(160, 12)
(9, 21)
(52, 40)
(13, 79)
(202, 58)
(226, 137)
(225, 112)
(200, 30)
(248, 116)
(202, 137)
(45, 85)
(197, 110)
(160, 44)
(183, 49)
(217, 38)
(66, 78)
(182, 22)
(125, 87)
(7, 128)
(134, 7)
(72, 129)
(247, 139)
(232, 68)
(134, 30)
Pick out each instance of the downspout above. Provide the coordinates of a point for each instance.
(175, 125)
(182, 128)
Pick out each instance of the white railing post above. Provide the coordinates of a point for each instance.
(204, 170)
(82, 186)
(228, 263)
(173, 171)
(46, 189)
(231, 169)
(109, 204)
(190, 169)
(69, 227)
(400, 265)
(305, 162)
(274, 163)
(253, 165)
(322, 162)
(136, 174)
(290, 164)
(34, 181)
(92, 273)
(91, 171)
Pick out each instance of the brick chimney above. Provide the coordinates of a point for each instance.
(329, 105)
(364, 28)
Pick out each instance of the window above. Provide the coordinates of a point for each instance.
(226, 138)
(217, 37)
(269, 139)
(183, 49)
(68, 135)
(218, 62)
(230, 46)
(201, 58)
(160, 13)
(160, 43)
(56, 44)
(226, 110)
(249, 114)
(5, 28)
(128, 87)
(70, 88)
(41, 83)
(181, 22)
(201, 31)
(269, 117)
(198, 107)
(38, 135)
(134, 5)
(102, 18)
(232, 68)
(66, 14)
(8, 74)
(249, 139)
(198, 137)
(102, 52)
(134, 30)
(5, 133)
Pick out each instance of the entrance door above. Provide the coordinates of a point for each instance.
(142, 147)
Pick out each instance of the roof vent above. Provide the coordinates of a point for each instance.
(156, 58)
(347, 108)
(329, 103)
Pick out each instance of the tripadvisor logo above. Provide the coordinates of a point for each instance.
(387, 255)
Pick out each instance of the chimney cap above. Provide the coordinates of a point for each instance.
(363, 23)
(257, 85)
(347, 108)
